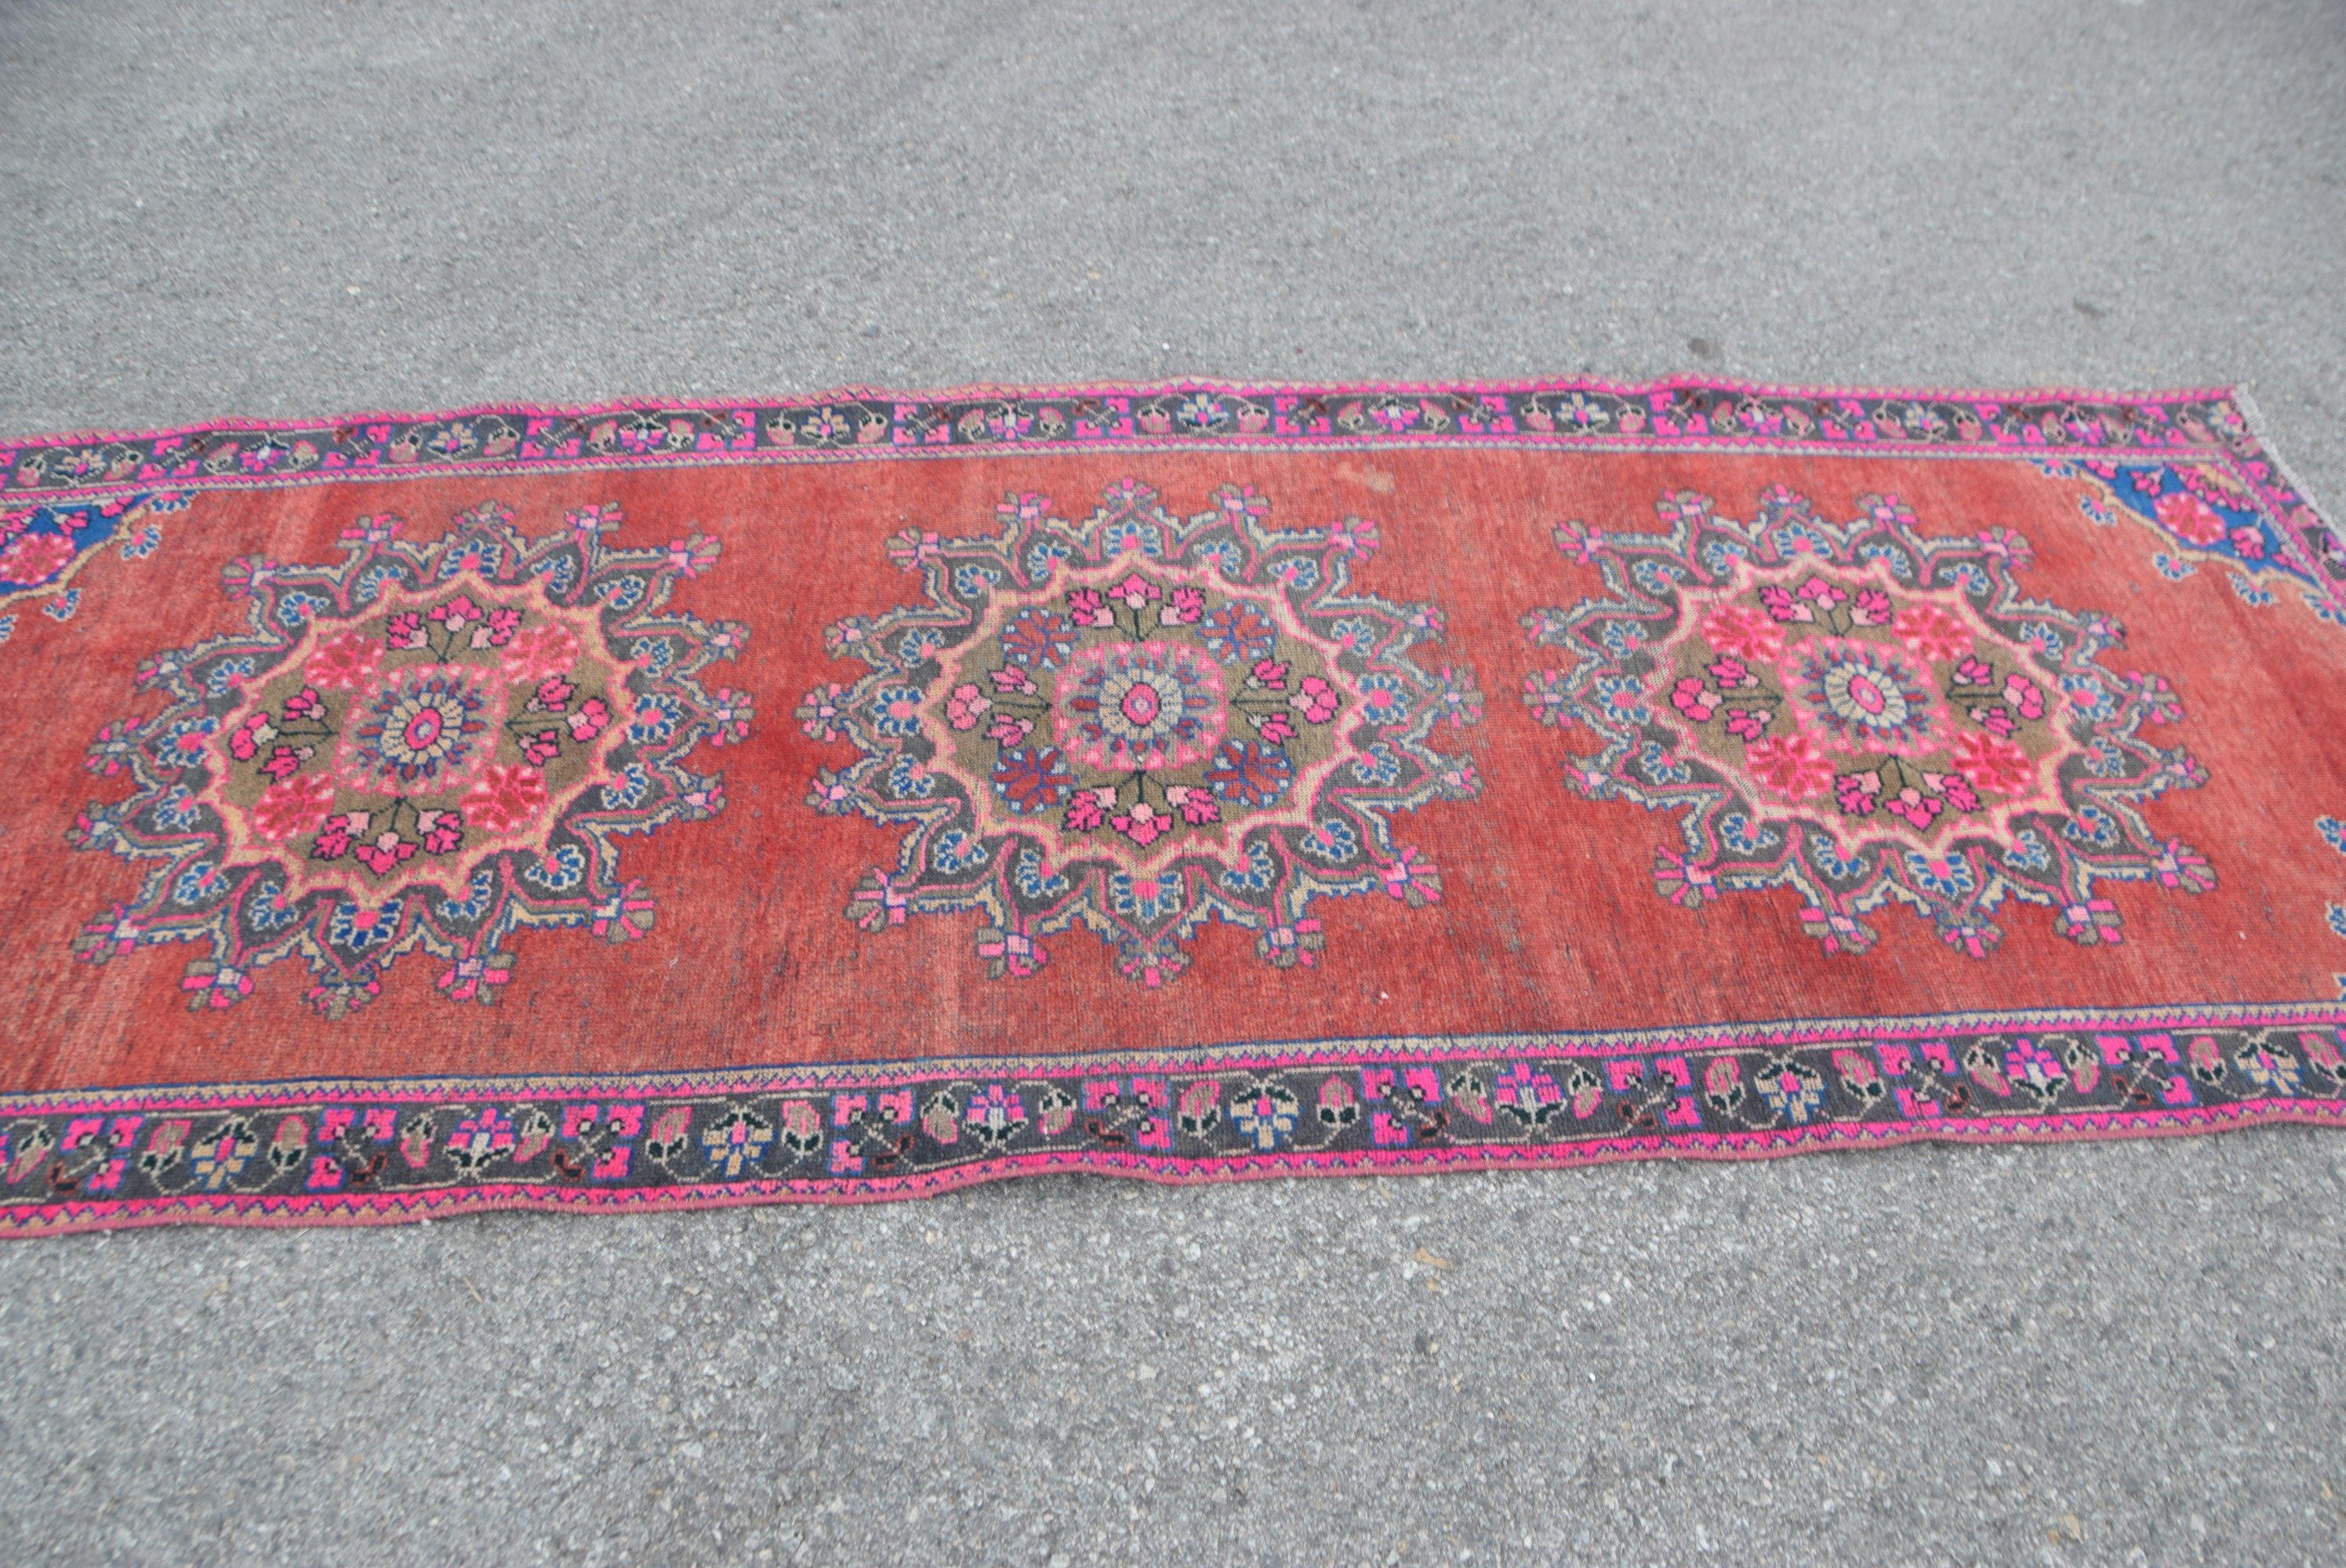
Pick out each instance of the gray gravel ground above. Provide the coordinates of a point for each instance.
(2109, 1354)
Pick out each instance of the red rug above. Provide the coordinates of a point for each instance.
(859, 796)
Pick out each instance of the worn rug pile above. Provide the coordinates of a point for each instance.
(858, 797)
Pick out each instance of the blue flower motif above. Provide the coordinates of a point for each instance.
(269, 909)
(1826, 856)
(1029, 880)
(2028, 852)
(628, 792)
(1660, 767)
(1223, 553)
(177, 811)
(654, 720)
(1951, 878)
(476, 901)
(956, 851)
(1145, 898)
(370, 585)
(1902, 566)
(2088, 698)
(1379, 765)
(1301, 573)
(486, 557)
(1332, 841)
(1043, 557)
(1131, 534)
(1739, 833)
(908, 781)
(1656, 576)
(2093, 826)
(200, 883)
(1623, 698)
(294, 610)
(1620, 638)
(1382, 696)
(1257, 875)
(896, 711)
(358, 927)
(559, 872)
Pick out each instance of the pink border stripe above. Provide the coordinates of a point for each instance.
(302, 1209)
(993, 391)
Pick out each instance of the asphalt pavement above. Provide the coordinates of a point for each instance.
(2111, 1353)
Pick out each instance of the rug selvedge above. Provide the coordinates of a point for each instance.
(384, 1151)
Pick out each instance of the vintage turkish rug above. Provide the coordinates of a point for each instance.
(859, 796)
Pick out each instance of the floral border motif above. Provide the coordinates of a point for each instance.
(1684, 411)
(1678, 413)
(379, 1151)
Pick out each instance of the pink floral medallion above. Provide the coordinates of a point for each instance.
(1867, 715)
(1138, 723)
(426, 745)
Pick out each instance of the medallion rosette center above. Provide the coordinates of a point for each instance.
(441, 727)
(1896, 704)
(1140, 709)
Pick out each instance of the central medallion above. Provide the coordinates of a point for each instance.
(1153, 721)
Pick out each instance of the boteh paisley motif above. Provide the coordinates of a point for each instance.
(1864, 715)
(427, 745)
(1138, 723)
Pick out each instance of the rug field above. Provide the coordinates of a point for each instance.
(678, 805)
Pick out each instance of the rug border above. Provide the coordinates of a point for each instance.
(1639, 1059)
(261, 1210)
(855, 392)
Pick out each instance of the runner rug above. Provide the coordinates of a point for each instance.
(859, 796)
